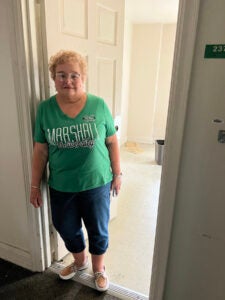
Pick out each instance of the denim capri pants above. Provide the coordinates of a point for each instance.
(93, 206)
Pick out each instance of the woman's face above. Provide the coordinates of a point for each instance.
(69, 80)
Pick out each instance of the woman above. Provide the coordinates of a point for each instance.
(75, 133)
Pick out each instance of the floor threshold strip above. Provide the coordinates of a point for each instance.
(114, 289)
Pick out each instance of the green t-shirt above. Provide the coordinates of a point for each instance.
(78, 157)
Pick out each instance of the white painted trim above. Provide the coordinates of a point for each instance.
(45, 81)
(24, 84)
(45, 217)
(37, 92)
(157, 83)
(15, 255)
(21, 85)
(182, 66)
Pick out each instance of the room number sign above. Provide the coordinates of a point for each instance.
(215, 51)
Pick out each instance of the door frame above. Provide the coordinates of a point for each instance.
(28, 88)
(181, 75)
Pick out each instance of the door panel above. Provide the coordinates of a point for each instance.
(21, 236)
(94, 29)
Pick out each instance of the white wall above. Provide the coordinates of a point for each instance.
(20, 235)
(196, 263)
(13, 212)
(163, 81)
(151, 64)
(126, 80)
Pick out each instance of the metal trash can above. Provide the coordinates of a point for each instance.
(159, 149)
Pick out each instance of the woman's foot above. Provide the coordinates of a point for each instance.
(71, 270)
(101, 281)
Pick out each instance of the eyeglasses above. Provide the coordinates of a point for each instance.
(63, 76)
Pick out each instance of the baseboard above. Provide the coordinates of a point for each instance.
(15, 255)
(114, 289)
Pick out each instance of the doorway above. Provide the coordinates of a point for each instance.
(138, 201)
(152, 134)
(147, 114)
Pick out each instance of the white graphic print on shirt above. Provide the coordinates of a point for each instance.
(74, 136)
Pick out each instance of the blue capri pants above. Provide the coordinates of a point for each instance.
(93, 206)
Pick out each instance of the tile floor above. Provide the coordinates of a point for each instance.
(132, 232)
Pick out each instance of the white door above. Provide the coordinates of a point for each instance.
(94, 29)
(22, 240)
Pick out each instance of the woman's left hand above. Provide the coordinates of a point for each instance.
(113, 148)
(116, 184)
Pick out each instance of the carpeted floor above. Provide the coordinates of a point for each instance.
(17, 283)
(10, 273)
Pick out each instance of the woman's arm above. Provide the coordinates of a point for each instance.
(114, 154)
(40, 158)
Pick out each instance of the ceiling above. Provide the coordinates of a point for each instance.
(152, 11)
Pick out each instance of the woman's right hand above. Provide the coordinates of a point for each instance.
(35, 197)
(39, 161)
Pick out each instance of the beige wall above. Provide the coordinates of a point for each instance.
(125, 80)
(150, 81)
(163, 81)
